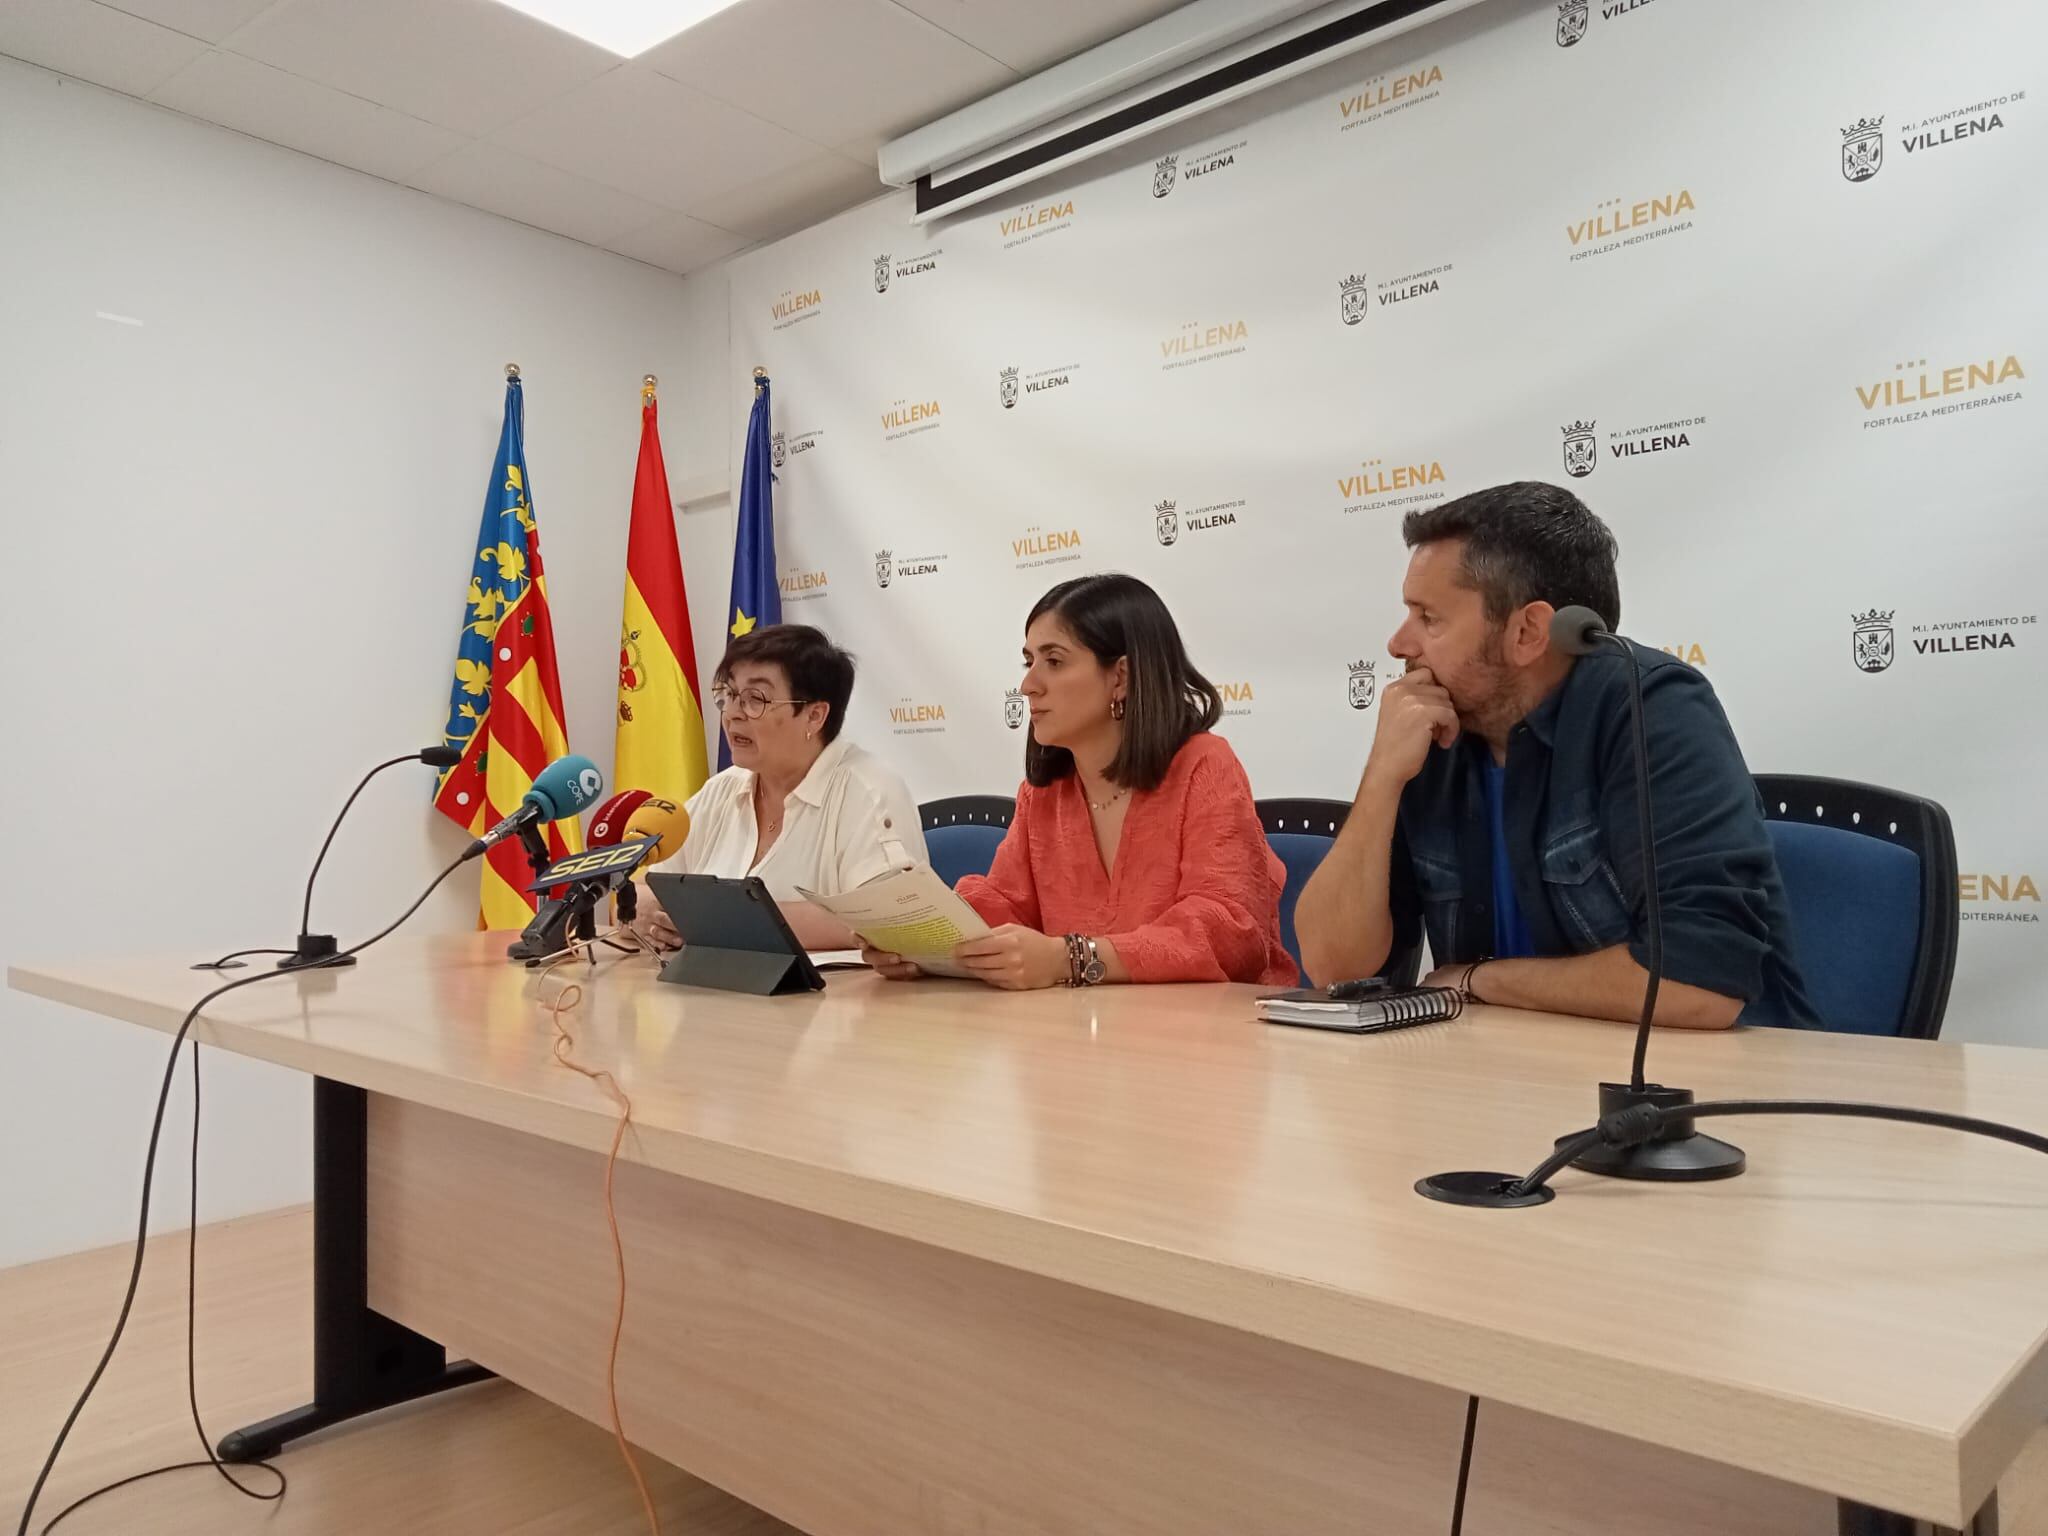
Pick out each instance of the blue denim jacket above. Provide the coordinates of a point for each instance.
(1570, 803)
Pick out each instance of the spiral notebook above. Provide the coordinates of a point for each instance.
(1315, 1008)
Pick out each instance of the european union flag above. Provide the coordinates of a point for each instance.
(756, 600)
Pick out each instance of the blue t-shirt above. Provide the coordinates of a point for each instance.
(1510, 931)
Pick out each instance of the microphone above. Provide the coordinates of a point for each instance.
(626, 831)
(1675, 1152)
(608, 821)
(1579, 631)
(319, 948)
(632, 814)
(559, 791)
(662, 820)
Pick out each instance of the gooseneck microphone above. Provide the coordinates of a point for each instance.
(1646, 1130)
(1676, 1151)
(319, 948)
(1669, 1148)
(1579, 631)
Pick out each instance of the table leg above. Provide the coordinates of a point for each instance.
(1862, 1520)
(362, 1360)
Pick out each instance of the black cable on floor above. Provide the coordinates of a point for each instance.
(156, 1130)
(191, 1360)
(1464, 1466)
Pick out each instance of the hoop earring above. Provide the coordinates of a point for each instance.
(1116, 709)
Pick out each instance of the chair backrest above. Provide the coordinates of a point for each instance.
(1870, 876)
(1300, 832)
(963, 833)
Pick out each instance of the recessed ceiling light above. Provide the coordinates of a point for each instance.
(625, 27)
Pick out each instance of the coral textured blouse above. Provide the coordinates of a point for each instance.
(1194, 894)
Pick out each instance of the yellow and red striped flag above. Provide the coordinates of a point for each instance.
(660, 745)
(505, 706)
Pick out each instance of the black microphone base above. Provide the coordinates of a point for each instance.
(315, 949)
(1678, 1154)
(556, 925)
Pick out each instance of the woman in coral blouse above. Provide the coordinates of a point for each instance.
(1136, 852)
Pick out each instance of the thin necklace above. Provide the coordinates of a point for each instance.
(1103, 805)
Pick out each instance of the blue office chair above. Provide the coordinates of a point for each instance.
(1870, 876)
(1301, 831)
(963, 833)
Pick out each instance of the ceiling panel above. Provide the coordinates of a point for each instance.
(94, 42)
(643, 133)
(269, 104)
(1029, 37)
(789, 200)
(832, 70)
(210, 19)
(678, 242)
(470, 65)
(492, 178)
(757, 122)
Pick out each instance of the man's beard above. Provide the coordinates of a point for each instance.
(1489, 700)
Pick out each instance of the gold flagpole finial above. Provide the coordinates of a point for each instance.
(760, 377)
(647, 388)
(511, 371)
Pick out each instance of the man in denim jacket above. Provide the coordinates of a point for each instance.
(1498, 807)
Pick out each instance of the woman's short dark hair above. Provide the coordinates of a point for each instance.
(1524, 543)
(1165, 701)
(818, 671)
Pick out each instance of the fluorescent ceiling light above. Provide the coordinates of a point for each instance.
(625, 27)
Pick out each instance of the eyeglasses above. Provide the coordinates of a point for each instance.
(749, 705)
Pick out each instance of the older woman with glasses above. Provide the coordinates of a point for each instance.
(800, 805)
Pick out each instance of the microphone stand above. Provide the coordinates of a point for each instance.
(571, 916)
(320, 948)
(1676, 1153)
(536, 848)
(1669, 1149)
(549, 929)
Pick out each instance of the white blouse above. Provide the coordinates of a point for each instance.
(850, 820)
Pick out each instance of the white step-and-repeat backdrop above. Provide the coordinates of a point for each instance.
(1766, 284)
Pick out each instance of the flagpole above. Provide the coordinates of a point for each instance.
(755, 602)
(647, 388)
(506, 632)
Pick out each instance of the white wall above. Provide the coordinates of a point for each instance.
(236, 536)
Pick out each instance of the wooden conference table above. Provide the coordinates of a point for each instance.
(936, 1259)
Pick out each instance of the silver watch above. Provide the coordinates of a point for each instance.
(1092, 969)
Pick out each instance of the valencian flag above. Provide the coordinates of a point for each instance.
(660, 745)
(505, 706)
(755, 598)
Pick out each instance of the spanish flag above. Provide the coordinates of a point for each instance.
(505, 705)
(660, 745)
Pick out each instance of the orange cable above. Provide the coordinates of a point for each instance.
(564, 1043)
